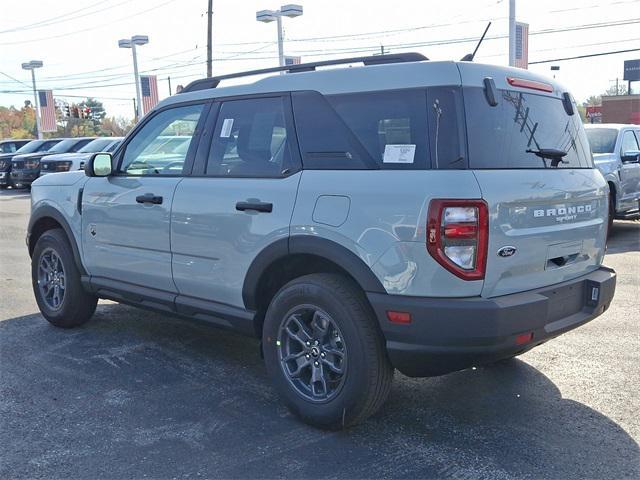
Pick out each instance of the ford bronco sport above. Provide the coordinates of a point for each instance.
(405, 214)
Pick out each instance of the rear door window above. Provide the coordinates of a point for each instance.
(370, 130)
(251, 139)
(499, 137)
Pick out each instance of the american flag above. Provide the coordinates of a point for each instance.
(47, 111)
(149, 88)
(291, 60)
(522, 45)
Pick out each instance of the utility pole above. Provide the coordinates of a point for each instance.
(512, 33)
(169, 80)
(209, 39)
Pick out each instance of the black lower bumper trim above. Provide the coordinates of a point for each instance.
(449, 334)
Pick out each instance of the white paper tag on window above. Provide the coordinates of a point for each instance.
(399, 153)
(227, 125)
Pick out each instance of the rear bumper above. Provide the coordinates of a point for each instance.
(449, 334)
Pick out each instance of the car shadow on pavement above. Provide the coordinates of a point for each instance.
(625, 237)
(135, 394)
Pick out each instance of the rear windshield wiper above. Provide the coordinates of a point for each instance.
(551, 153)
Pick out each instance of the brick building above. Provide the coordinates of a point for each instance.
(621, 109)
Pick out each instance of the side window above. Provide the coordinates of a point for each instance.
(8, 147)
(250, 139)
(160, 147)
(371, 130)
(629, 142)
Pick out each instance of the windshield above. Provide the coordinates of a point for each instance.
(64, 146)
(37, 146)
(114, 145)
(97, 145)
(602, 140)
(524, 130)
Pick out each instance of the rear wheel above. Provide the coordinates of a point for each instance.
(325, 353)
(56, 282)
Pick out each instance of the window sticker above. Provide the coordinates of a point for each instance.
(399, 153)
(227, 125)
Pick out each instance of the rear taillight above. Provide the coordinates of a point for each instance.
(457, 236)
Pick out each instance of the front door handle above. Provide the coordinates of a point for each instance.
(257, 206)
(149, 198)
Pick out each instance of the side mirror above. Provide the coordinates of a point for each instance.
(99, 165)
(630, 156)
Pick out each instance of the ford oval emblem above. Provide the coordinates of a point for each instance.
(507, 251)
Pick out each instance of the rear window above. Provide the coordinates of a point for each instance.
(499, 137)
(602, 140)
(373, 130)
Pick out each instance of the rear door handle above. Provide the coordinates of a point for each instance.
(257, 206)
(149, 198)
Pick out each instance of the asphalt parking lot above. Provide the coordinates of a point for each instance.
(135, 394)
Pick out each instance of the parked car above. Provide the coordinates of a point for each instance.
(26, 168)
(616, 152)
(411, 215)
(64, 162)
(11, 145)
(31, 147)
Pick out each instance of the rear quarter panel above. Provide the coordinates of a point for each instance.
(385, 225)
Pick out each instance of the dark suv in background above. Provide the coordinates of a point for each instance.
(11, 145)
(25, 168)
(32, 146)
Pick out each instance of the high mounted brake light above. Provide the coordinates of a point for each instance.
(531, 84)
(457, 236)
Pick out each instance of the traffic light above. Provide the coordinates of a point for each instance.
(66, 111)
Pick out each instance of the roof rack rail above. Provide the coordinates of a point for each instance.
(206, 83)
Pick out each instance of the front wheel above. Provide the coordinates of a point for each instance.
(56, 282)
(324, 351)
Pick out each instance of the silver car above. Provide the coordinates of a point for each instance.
(616, 152)
(405, 214)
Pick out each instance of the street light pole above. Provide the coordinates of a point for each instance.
(131, 43)
(32, 65)
(280, 41)
(137, 80)
(267, 16)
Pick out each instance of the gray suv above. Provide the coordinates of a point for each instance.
(405, 214)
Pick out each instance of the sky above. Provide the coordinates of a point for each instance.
(78, 39)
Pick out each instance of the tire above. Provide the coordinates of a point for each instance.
(350, 340)
(52, 263)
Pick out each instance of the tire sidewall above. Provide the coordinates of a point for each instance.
(51, 240)
(355, 383)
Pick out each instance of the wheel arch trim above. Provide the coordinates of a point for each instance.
(309, 245)
(47, 211)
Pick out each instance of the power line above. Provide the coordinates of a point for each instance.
(585, 56)
(92, 28)
(49, 21)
